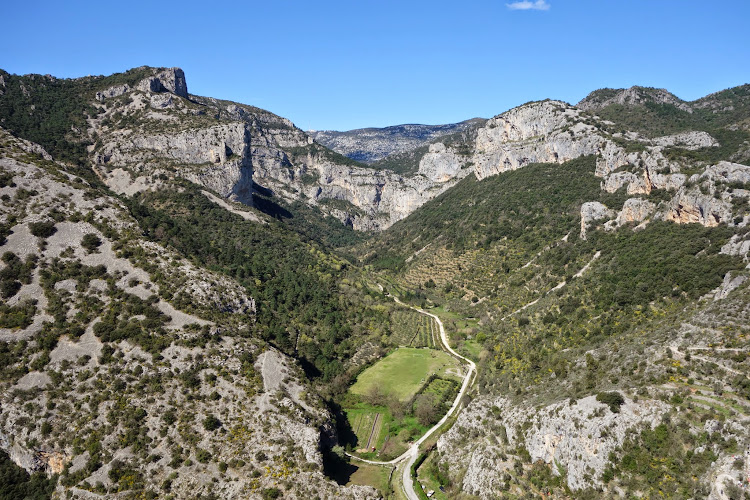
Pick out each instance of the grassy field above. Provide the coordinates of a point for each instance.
(371, 475)
(426, 478)
(404, 372)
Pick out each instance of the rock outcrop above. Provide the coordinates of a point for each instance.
(727, 172)
(215, 157)
(729, 284)
(228, 148)
(635, 210)
(690, 206)
(440, 164)
(687, 140)
(170, 80)
(547, 131)
(575, 436)
(633, 96)
(592, 211)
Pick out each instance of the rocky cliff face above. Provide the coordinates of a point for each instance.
(152, 129)
(710, 198)
(574, 437)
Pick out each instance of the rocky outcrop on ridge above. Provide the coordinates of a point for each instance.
(592, 211)
(152, 130)
(632, 96)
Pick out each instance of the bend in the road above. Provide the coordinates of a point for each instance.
(412, 453)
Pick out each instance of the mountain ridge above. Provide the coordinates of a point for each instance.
(372, 144)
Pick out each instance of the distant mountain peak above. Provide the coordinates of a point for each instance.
(371, 144)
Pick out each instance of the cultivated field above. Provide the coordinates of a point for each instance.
(413, 329)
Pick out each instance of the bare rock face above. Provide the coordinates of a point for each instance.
(440, 164)
(111, 92)
(170, 80)
(633, 96)
(687, 140)
(216, 157)
(230, 147)
(547, 131)
(729, 285)
(593, 211)
(617, 180)
(737, 246)
(576, 435)
(693, 207)
(635, 210)
(727, 172)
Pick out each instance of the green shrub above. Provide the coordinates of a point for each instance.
(203, 456)
(43, 229)
(211, 423)
(613, 399)
(91, 242)
(17, 483)
(270, 493)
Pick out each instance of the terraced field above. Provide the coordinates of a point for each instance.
(368, 424)
(413, 329)
(439, 265)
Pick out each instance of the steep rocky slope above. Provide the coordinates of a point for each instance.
(125, 367)
(369, 145)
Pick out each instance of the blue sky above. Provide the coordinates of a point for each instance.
(349, 64)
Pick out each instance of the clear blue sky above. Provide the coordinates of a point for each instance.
(356, 63)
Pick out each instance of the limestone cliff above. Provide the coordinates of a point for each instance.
(154, 129)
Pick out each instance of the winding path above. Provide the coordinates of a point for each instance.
(410, 455)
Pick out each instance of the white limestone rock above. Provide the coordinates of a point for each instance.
(635, 210)
(687, 140)
(728, 286)
(592, 211)
(170, 80)
(727, 172)
(578, 436)
(440, 164)
(547, 131)
(111, 92)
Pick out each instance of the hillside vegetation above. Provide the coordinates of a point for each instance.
(191, 308)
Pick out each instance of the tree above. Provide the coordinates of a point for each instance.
(426, 409)
(375, 396)
(613, 399)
